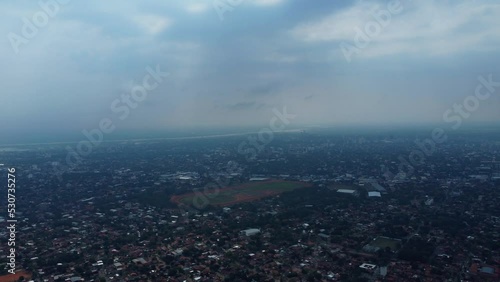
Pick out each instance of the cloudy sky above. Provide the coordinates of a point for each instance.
(230, 63)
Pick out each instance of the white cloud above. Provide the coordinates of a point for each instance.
(267, 2)
(196, 8)
(338, 26)
(421, 27)
(152, 24)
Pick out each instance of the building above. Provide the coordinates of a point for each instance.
(250, 232)
(346, 191)
(258, 179)
(368, 266)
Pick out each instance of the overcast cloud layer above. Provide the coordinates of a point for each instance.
(264, 54)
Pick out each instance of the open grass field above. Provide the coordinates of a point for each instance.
(383, 242)
(246, 192)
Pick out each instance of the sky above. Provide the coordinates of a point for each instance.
(235, 63)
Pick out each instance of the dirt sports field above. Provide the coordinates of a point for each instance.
(15, 277)
(246, 192)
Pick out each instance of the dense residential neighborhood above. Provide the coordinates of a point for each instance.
(111, 218)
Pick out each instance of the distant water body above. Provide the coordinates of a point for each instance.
(40, 138)
(139, 138)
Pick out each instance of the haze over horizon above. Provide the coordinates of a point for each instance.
(235, 72)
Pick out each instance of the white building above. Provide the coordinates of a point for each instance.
(374, 194)
(346, 191)
(250, 232)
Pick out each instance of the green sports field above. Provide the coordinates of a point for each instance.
(383, 242)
